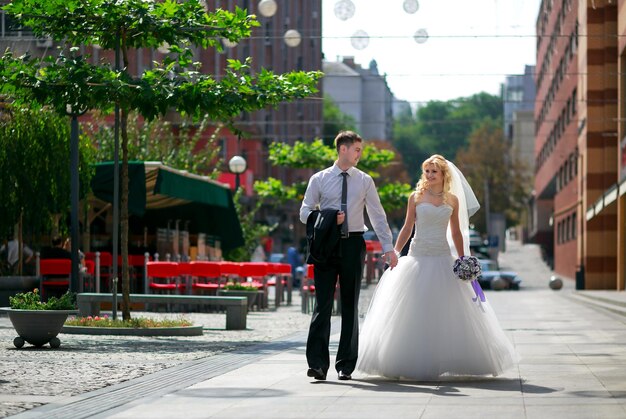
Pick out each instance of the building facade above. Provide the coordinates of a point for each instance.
(518, 94)
(577, 148)
(363, 94)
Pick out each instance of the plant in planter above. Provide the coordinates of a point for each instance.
(236, 289)
(137, 326)
(38, 322)
(239, 287)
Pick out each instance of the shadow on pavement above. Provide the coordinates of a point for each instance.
(447, 388)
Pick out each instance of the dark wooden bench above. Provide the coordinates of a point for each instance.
(236, 307)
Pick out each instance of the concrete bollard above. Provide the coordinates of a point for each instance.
(498, 284)
(556, 283)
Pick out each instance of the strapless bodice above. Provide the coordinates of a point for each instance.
(431, 224)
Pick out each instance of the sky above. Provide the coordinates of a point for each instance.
(471, 45)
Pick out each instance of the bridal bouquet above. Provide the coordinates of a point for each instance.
(467, 268)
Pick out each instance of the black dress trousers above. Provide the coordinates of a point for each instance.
(347, 266)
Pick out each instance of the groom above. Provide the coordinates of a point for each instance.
(341, 191)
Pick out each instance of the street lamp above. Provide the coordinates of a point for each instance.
(237, 165)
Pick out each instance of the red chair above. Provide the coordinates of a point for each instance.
(229, 270)
(185, 272)
(163, 276)
(281, 279)
(373, 250)
(207, 276)
(55, 273)
(255, 274)
(284, 269)
(307, 290)
(136, 267)
(89, 276)
(103, 275)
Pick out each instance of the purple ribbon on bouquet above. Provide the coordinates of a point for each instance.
(479, 291)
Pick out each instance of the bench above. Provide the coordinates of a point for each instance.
(236, 307)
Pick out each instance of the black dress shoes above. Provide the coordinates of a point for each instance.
(316, 373)
(344, 376)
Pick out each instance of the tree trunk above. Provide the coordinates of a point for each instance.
(124, 193)
(20, 245)
(124, 216)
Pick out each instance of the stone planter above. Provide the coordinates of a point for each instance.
(37, 327)
(12, 285)
(250, 295)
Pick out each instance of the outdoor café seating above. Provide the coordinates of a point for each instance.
(163, 277)
(255, 274)
(282, 280)
(207, 277)
(55, 276)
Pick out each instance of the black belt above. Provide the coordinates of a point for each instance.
(353, 233)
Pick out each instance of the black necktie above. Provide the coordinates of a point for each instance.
(344, 204)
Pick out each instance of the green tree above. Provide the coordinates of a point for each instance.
(183, 148)
(71, 81)
(488, 164)
(316, 156)
(442, 128)
(35, 170)
(335, 121)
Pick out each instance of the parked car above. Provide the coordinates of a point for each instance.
(474, 239)
(493, 278)
(278, 258)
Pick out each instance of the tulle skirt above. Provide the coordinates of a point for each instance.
(425, 324)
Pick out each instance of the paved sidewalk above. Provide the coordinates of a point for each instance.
(573, 365)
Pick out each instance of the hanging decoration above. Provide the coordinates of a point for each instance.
(344, 9)
(411, 6)
(360, 39)
(228, 43)
(420, 36)
(292, 38)
(267, 8)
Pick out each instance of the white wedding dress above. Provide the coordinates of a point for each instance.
(423, 322)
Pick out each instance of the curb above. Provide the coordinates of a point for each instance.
(130, 331)
(597, 301)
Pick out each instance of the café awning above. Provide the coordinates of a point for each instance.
(159, 194)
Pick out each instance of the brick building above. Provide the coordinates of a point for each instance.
(577, 147)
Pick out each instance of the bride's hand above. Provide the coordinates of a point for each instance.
(391, 258)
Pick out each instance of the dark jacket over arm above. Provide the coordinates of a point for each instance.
(323, 235)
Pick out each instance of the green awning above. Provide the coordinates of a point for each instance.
(158, 194)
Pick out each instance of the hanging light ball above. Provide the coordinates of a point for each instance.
(267, 8)
(344, 9)
(292, 38)
(421, 36)
(360, 39)
(411, 6)
(164, 48)
(228, 43)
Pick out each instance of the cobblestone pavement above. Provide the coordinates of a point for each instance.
(30, 377)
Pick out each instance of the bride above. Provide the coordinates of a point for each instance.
(423, 322)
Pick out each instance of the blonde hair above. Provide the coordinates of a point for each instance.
(440, 163)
